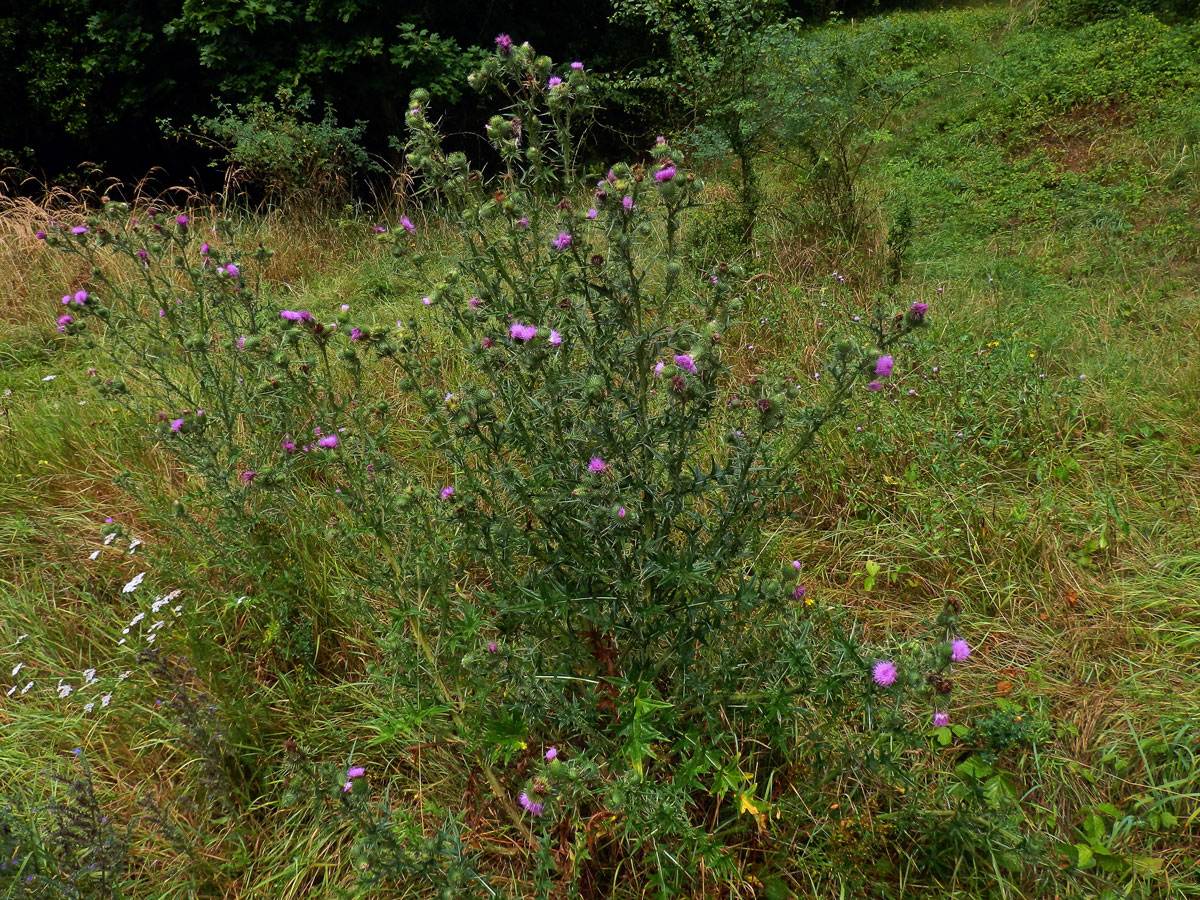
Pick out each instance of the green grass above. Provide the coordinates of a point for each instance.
(1055, 199)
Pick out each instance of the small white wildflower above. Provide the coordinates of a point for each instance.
(21, 638)
(88, 707)
(17, 668)
(95, 554)
(150, 639)
(11, 690)
(25, 690)
(64, 691)
(106, 699)
(122, 640)
(134, 544)
(49, 378)
(133, 583)
(123, 676)
(89, 676)
(109, 538)
(177, 610)
(157, 625)
(159, 603)
(173, 595)
(137, 619)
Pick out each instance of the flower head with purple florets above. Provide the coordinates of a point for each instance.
(563, 241)
(596, 464)
(530, 806)
(884, 673)
(504, 44)
(960, 650)
(519, 332)
(685, 362)
(883, 366)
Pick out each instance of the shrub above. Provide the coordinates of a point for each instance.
(274, 151)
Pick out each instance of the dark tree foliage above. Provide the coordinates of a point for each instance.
(89, 79)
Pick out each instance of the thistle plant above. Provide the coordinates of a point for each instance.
(610, 473)
(579, 552)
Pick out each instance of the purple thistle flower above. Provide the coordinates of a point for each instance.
(347, 787)
(329, 442)
(685, 362)
(520, 332)
(523, 222)
(621, 513)
(473, 303)
(665, 174)
(591, 213)
(356, 772)
(41, 235)
(288, 446)
(555, 338)
(959, 650)
(554, 81)
(427, 301)
(355, 334)
(504, 44)
(79, 229)
(941, 719)
(883, 367)
(291, 315)
(407, 225)
(249, 475)
(917, 311)
(530, 806)
(577, 66)
(177, 425)
(796, 564)
(884, 673)
(551, 753)
(379, 229)
(447, 492)
(627, 202)
(232, 271)
(66, 319)
(799, 592)
(182, 220)
(143, 255)
(345, 307)
(563, 241)
(596, 464)
(80, 298)
(874, 386)
(492, 647)
(204, 249)
(658, 369)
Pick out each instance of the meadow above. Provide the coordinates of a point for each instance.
(385, 665)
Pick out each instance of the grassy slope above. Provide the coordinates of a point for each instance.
(1056, 205)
